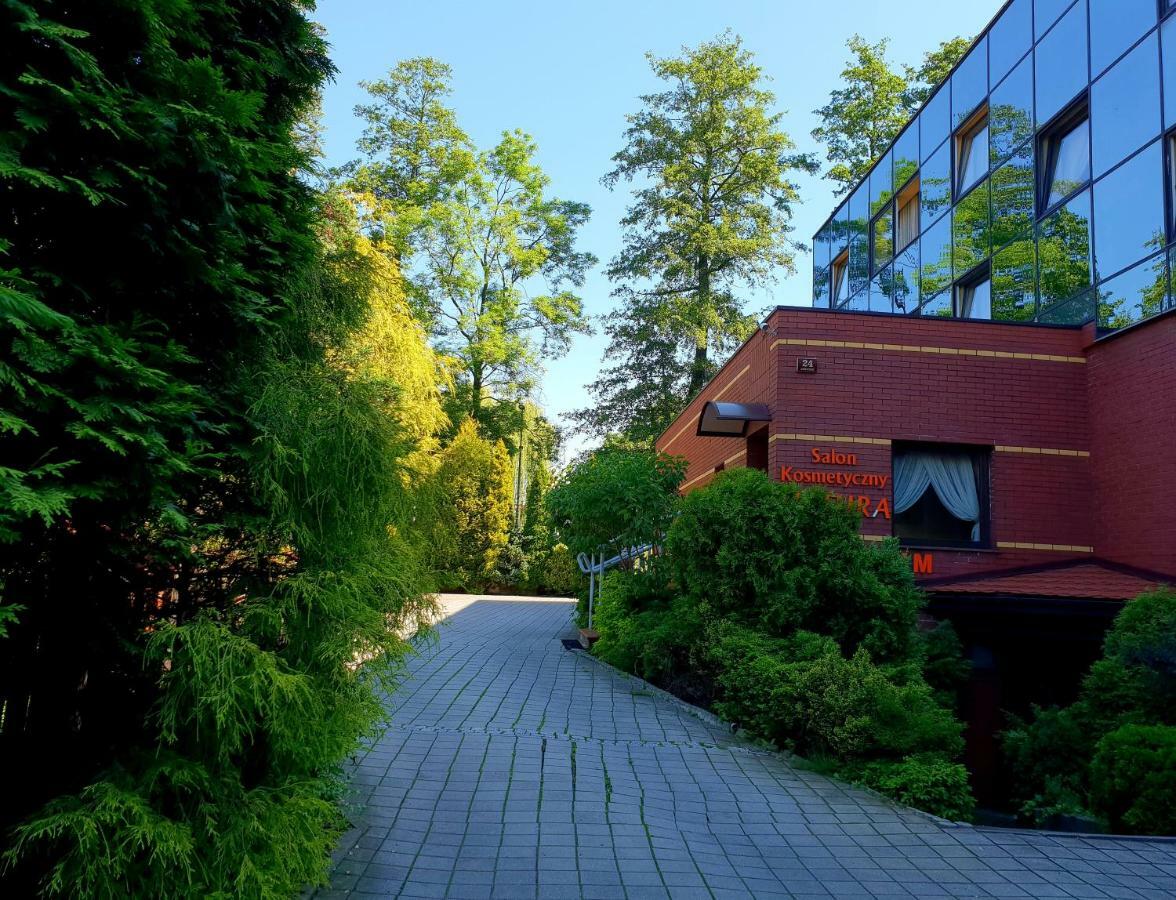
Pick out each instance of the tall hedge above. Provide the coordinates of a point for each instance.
(198, 495)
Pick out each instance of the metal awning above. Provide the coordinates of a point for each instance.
(730, 419)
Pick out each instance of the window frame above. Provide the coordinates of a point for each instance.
(838, 266)
(963, 136)
(1046, 145)
(877, 265)
(1168, 140)
(906, 196)
(975, 276)
(982, 463)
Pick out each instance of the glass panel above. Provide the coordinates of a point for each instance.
(934, 121)
(1061, 65)
(860, 302)
(1078, 311)
(1010, 112)
(1168, 39)
(1129, 212)
(1009, 39)
(970, 234)
(1125, 106)
(840, 279)
(974, 301)
(1139, 292)
(969, 83)
(1045, 13)
(1012, 197)
(905, 281)
(1063, 251)
(880, 290)
(1069, 162)
(881, 184)
(1013, 282)
(1114, 26)
(882, 236)
(938, 306)
(936, 258)
(821, 244)
(906, 226)
(859, 244)
(972, 163)
(906, 155)
(935, 185)
(839, 237)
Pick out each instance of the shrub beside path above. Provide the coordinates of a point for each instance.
(514, 768)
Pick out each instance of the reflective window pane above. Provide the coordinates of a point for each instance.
(937, 306)
(839, 278)
(839, 234)
(1125, 106)
(935, 121)
(970, 234)
(881, 184)
(1009, 39)
(1063, 251)
(905, 280)
(1010, 112)
(969, 83)
(1076, 311)
(1045, 13)
(974, 300)
(1013, 282)
(821, 245)
(859, 244)
(1129, 212)
(1168, 40)
(906, 156)
(936, 258)
(1060, 61)
(971, 156)
(882, 237)
(935, 185)
(906, 215)
(880, 290)
(1067, 162)
(1136, 294)
(859, 302)
(1012, 197)
(1114, 26)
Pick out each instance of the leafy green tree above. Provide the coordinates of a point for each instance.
(711, 212)
(862, 117)
(934, 69)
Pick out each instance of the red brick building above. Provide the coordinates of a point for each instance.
(1029, 469)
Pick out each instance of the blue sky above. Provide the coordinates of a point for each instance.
(568, 72)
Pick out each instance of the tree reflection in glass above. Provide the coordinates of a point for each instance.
(936, 268)
(1063, 251)
(970, 234)
(1067, 162)
(1013, 281)
(1139, 292)
(1012, 197)
(904, 285)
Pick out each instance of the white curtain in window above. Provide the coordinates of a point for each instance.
(950, 474)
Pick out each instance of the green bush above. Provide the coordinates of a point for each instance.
(928, 782)
(782, 559)
(1133, 779)
(944, 665)
(555, 572)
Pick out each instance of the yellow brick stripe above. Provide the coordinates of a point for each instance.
(916, 348)
(730, 384)
(1062, 548)
(830, 439)
(1043, 451)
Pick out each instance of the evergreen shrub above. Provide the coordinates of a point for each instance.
(1133, 779)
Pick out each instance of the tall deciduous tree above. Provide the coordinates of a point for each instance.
(711, 213)
(936, 66)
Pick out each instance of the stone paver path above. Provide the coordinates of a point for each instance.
(515, 768)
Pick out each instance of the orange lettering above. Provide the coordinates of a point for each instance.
(923, 563)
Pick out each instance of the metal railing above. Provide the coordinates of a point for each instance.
(594, 567)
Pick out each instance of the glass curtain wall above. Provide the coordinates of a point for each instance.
(1036, 185)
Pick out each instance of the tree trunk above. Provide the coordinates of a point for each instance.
(476, 395)
(698, 366)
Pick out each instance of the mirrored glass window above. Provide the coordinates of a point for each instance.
(971, 153)
(938, 306)
(1009, 39)
(1014, 283)
(1064, 152)
(974, 298)
(880, 290)
(1010, 113)
(859, 243)
(969, 83)
(881, 184)
(859, 302)
(1075, 311)
(1045, 13)
(1012, 197)
(970, 234)
(1168, 40)
(1061, 64)
(1125, 106)
(936, 258)
(906, 214)
(906, 156)
(1063, 251)
(839, 278)
(1129, 212)
(840, 234)
(935, 185)
(1136, 294)
(1114, 26)
(905, 283)
(935, 121)
(821, 266)
(882, 238)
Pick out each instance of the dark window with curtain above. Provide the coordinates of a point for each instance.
(941, 495)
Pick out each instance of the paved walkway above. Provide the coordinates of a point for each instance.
(517, 769)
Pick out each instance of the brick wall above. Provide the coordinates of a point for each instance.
(1132, 389)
